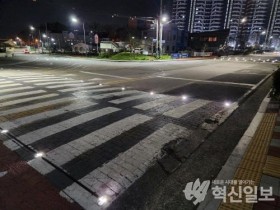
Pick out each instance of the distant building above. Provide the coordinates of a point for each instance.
(250, 22)
(208, 41)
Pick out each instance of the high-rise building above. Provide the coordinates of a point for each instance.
(273, 28)
(251, 22)
(179, 13)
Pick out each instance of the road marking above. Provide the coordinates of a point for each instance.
(15, 89)
(207, 81)
(26, 100)
(70, 85)
(4, 97)
(36, 135)
(152, 104)
(32, 118)
(130, 98)
(9, 85)
(186, 108)
(6, 82)
(35, 106)
(106, 75)
(40, 79)
(108, 95)
(80, 88)
(96, 79)
(103, 90)
(69, 151)
(120, 173)
(82, 197)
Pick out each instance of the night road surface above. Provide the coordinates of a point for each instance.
(100, 125)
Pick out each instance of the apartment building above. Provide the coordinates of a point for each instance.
(251, 22)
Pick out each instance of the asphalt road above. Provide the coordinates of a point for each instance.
(101, 125)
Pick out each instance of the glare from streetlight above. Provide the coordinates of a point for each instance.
(44, 36)
(264, 32)
(32, 28)
(52, 39)
(164, 19)
(74, 20)
(243, 20)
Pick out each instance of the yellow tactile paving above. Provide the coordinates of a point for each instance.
(251, 165)
(254, 160)
(18, 115)
(272, 166)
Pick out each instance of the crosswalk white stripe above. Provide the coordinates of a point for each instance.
(102, 90)
(9, 103)
(10, 85)
(60, 81)
(130, 98)
(42, 81)
(121, 172)
(69, 151)
(21, 94)
(155, 103)
(46, 79)
(32, 118)
(15, 89)
(82, 197)
(6, 82)
(73, 84)
(108, 95)
(186, 108)
(80, 88)
(36, 135)
(34, 106)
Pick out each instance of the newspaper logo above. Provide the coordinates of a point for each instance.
(196, 190)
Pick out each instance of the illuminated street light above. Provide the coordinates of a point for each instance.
(75, 20)
(44, 36)
(32, 28)
(263, 32)
(164, 19)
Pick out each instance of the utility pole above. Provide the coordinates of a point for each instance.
(160, 29)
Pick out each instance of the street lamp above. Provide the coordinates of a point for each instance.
(75, 20)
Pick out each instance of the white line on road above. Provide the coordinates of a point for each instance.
(35, 106)
(152, 104)
(207, 81)
(121, 172)
(72, 84)
(21, 94)
(108, 95)
(106, 75)
(47, 114)
(69, 151)
(15, 89)
(186, 108)
(9, 103)
(80, 88)
(130, 98)
(36, 135)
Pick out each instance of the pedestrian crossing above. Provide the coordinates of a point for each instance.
(46, 114)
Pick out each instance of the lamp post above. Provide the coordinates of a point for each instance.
(32, 29)
(75, 20)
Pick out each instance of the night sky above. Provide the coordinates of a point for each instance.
(16, 15)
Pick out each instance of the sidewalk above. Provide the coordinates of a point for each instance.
(254, 165)
(23, 188)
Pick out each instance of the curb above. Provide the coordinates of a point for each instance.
(228, 170)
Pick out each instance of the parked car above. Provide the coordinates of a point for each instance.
(137, 50)
(26, 51)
